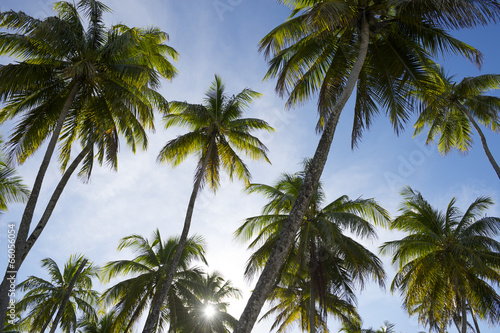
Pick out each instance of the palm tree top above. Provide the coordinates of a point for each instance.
(217, 132)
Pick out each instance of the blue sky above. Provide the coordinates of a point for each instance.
(221, 37)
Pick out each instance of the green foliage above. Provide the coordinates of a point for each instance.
(131, 296)
(115, 72)
(42, 298)
(447, 261)
(217, 131)
(323, 260)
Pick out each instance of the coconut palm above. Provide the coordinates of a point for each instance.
(448, 262)
(323, 263)
(104, 322)
(45, 298)
(147, 271)
(381, 47)
(450, 108)
(206, 304)
(217, 132)
(76, 81)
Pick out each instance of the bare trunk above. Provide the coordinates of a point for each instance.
(463, 306)
(154, 312)
(24, 226)
(67, 295)
(483, 142)
(312, 308)
(474, 319)
(53, 201)
(311, 180)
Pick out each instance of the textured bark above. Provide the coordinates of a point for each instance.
(483, 142)
(280, 251)
(67, 295)
(24, 226)
(154, 312)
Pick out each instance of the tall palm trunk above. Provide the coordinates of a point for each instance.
(52, 202)
(280, 251)
(24, 226)
(463, 306)
(312, 307)
(483, 141)
(67, 296)
(154, 312)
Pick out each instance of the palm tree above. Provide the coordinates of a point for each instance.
(76, 82)
(323, 262)
(448, 262)
(206, 304)
(450, 108)
(217, 132)
(329, 47)
(132, 296)
(44, 298)
(103, 323)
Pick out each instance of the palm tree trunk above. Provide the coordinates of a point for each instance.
(48, 322)
(464, 314)
(311, 180)
(24, 226)
(67, 296)
(493, 163)
(474, 319)
(53, 201)
(312, 308)
(154, 312)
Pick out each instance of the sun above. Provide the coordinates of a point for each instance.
(209, 311)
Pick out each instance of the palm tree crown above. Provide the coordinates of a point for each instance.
(217, 132)
(148, 270)
(449, 262)
(323, 264)
(43, 298)
(450, 108)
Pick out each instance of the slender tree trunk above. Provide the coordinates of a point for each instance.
(312, 308)
(24, 226)
(493, 163)
(67, 295)
(463, 306)
(154, 312)
(311, 180)
(474, 319)
(53, 201)
(48, 322)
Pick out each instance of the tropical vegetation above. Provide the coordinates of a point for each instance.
(449, 262)
(77, 87)
(324, 264)
(76, 81)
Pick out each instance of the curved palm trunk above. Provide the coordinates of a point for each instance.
(483, 142)
(52, 203)
(474, 319)
(280, 251)
(67, 296)
(24, 226)
(154, 312)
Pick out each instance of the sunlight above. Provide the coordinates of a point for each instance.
(209, 311)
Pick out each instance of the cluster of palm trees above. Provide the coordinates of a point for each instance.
(197, 301)
(80, 86)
